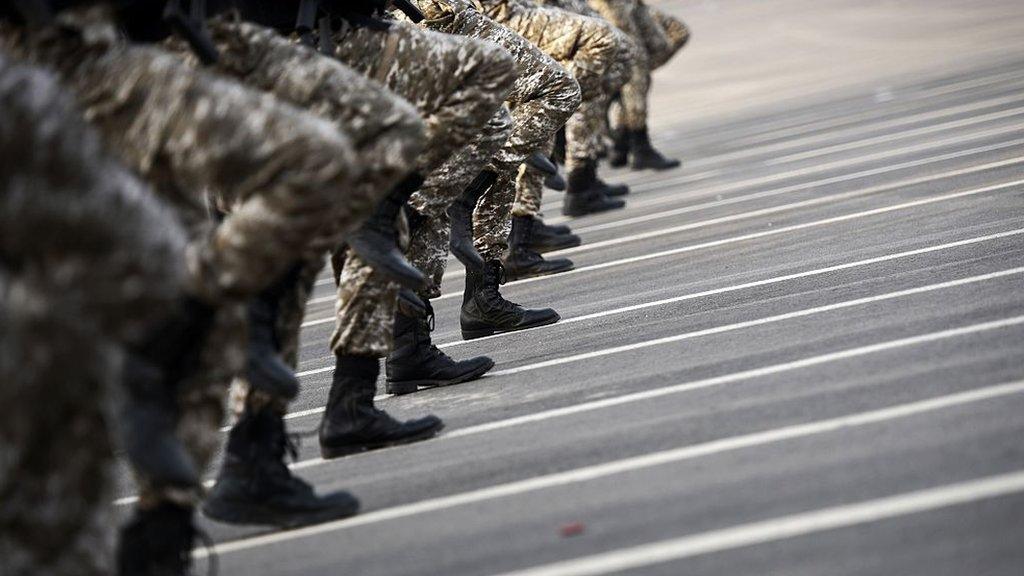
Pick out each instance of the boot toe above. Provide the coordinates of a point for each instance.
(538, 317)
(555, 182)
(268, 373)
(389, 261)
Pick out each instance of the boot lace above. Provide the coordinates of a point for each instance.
(494, 276)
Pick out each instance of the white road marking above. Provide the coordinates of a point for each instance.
(832, 198)
(784, 527)
(816, 139)
(763, 234)
(696, 295)
(754, 284)
(833, 121)
(632, 464)
(687, 386)
(802, 186)
(461, 272)
(759, 321)
(648, 200)
(925, 130)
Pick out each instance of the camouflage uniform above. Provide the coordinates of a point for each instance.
(386, 131)
(87, 260)
(544, 97)
(281, 175)
(458, 85)
(598, 56)
(658, 37)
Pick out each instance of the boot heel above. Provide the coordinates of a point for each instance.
(478, 333)
(400, 388)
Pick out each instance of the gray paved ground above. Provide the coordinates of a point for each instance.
(802, 353)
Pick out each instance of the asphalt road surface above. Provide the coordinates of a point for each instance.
(801, 353)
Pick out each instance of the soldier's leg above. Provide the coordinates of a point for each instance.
(543, 101)
(665, 34)
(596, 54)
(457, 84)
(90, 261)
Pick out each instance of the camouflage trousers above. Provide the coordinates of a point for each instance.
(386, 131)
(458, 85)
(280, 175)
(658, 37)
(598, 56)
(88, 260)
(544, 97)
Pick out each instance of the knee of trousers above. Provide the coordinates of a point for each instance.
(562, 92)
(318, 167)
(495, 71)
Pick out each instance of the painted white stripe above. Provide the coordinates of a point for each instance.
(737, 376)
(690, 386)
(816, 140)
(913, 101)
(461, 272)
(696, 295)
(821, 200)
(764, 234)
(759, 321)
(648, 200)
(784, 527)
(719, 202)
(802, 186)
(825, 150)
(755, 284)
(607, 469)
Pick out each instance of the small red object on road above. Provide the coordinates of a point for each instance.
(572, 529)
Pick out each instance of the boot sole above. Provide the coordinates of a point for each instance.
(255, 514)
(551, 248)
(342, 451)
(578, 213)
(513, 278)
(409, 386)
(484, 332)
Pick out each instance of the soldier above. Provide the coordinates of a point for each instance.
(457, 99)
(192, 133)
(598, 56)
(658, 37)
(90, 263)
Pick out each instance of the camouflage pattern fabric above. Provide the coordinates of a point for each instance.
(88, 261)
(458, 85)
(658, 37)
(543, 98)
(598, 56)
(192, 134)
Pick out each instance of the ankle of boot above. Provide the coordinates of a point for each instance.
(362, 367)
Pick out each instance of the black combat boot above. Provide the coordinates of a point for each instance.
(461, 214)
(486, 312)
(153, 370)
(645, 156)
(157, 542)
(255, 485)
(610, 190)
(558, 150)
(619, 155)
(522, 262)
(555, 182)
(415, 362)
(353, 424)
(265, 369)
(538, 161)
(376, 241)
(553, 179)
(584, 195)
(545, 238)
